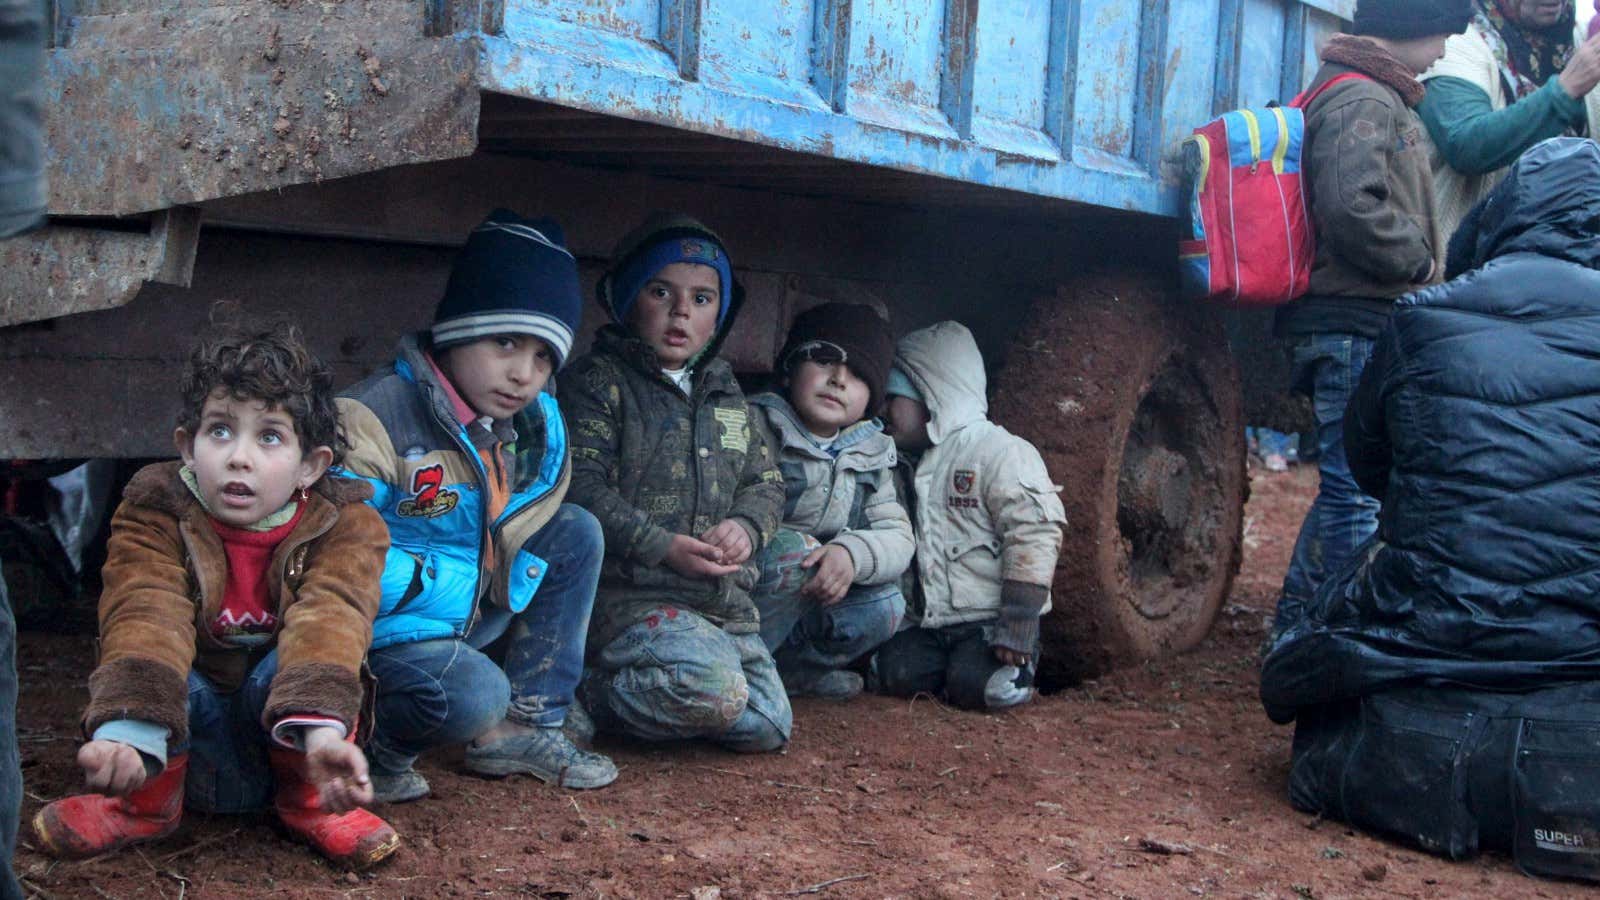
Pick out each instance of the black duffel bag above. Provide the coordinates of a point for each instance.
(1455, 770)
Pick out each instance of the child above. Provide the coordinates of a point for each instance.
(240, 586)
(686, 490)
(468, 458)
(1366, 164)
(988, 526)
(829, 591)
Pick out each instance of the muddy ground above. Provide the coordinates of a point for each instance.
(1160, 781)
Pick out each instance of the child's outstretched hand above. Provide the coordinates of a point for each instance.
(832, 571)
(696, 559)
(731, 538)
(111, 768)
(339, 770)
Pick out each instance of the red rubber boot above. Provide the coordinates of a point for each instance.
(356, 840)
(91, 824)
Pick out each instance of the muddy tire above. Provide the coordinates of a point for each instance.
(1134, 401)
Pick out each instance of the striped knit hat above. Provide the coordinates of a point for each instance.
(513, 276)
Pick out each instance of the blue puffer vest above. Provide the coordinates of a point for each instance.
(429, 484)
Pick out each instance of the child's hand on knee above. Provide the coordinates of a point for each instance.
(1009, 656)
(731, 538)
(832, 571)
(338, 768)
(111, 768)
(697, 559)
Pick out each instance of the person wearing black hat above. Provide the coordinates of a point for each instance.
(1366, 168)
(469, 462)
(829, 591)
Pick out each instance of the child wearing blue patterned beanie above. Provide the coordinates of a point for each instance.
(687, 492)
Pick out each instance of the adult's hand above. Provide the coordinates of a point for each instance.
(1583, 69)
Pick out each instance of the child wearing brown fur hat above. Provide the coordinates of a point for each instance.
(829, 591)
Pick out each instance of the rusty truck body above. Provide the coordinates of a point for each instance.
(1002, 162)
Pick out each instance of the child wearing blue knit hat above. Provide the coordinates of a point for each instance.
(468, 458)
(687, 492)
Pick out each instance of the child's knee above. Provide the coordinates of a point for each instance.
(866, 619)
(763, 736)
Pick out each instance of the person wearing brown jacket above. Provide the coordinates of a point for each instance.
(1370, 190)
(239, 591)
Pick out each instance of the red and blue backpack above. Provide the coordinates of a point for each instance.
(1250, 241)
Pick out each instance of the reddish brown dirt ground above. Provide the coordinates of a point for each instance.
(881, 797)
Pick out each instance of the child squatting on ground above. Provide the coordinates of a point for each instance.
(240, 588)
(829, 590)
(468, 458)
(988, 525)
(686, 490)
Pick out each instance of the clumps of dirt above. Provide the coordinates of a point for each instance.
(1133, 401)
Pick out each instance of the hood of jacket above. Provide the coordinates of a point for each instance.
(863, 445)
(1548, 204)
(945, 365)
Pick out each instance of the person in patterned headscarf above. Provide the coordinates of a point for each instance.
(1519, 74)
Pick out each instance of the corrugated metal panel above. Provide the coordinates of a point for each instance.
(1068, 99)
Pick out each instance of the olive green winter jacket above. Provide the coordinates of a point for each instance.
(650, 463)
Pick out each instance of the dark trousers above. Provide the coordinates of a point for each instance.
(10, 765)
(955, 663)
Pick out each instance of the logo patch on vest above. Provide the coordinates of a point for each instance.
(733, 423)
(429, 498)
(962, 480)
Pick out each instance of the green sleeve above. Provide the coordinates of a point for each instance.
(1476, 139)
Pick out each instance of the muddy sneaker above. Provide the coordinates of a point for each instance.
(837, 684)
(400, 787)
(578, 726)
(546, 754)
(1002, 689)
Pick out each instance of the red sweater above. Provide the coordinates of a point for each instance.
(247, 616)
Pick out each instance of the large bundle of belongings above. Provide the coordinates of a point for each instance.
(1446, 685)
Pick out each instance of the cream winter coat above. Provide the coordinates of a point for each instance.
(986, 511)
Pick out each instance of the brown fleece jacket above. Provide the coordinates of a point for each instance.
(1366, 161)
(164, 577)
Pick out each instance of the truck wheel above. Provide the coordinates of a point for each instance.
(1134, 402)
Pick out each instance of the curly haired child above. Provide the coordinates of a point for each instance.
(240, 589)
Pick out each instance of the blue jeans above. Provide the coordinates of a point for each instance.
(1342, 518)
(10, 763)
(676, 676)
(807, 639)
(227, 747)
(447, 691)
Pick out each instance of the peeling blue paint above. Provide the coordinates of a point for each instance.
(984, 92)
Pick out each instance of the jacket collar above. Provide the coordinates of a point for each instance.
(415, 364)
(1368, 58)
(161, 488)
(710, 373)
(865, 438)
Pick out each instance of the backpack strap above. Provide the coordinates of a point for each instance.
(1305, 98)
